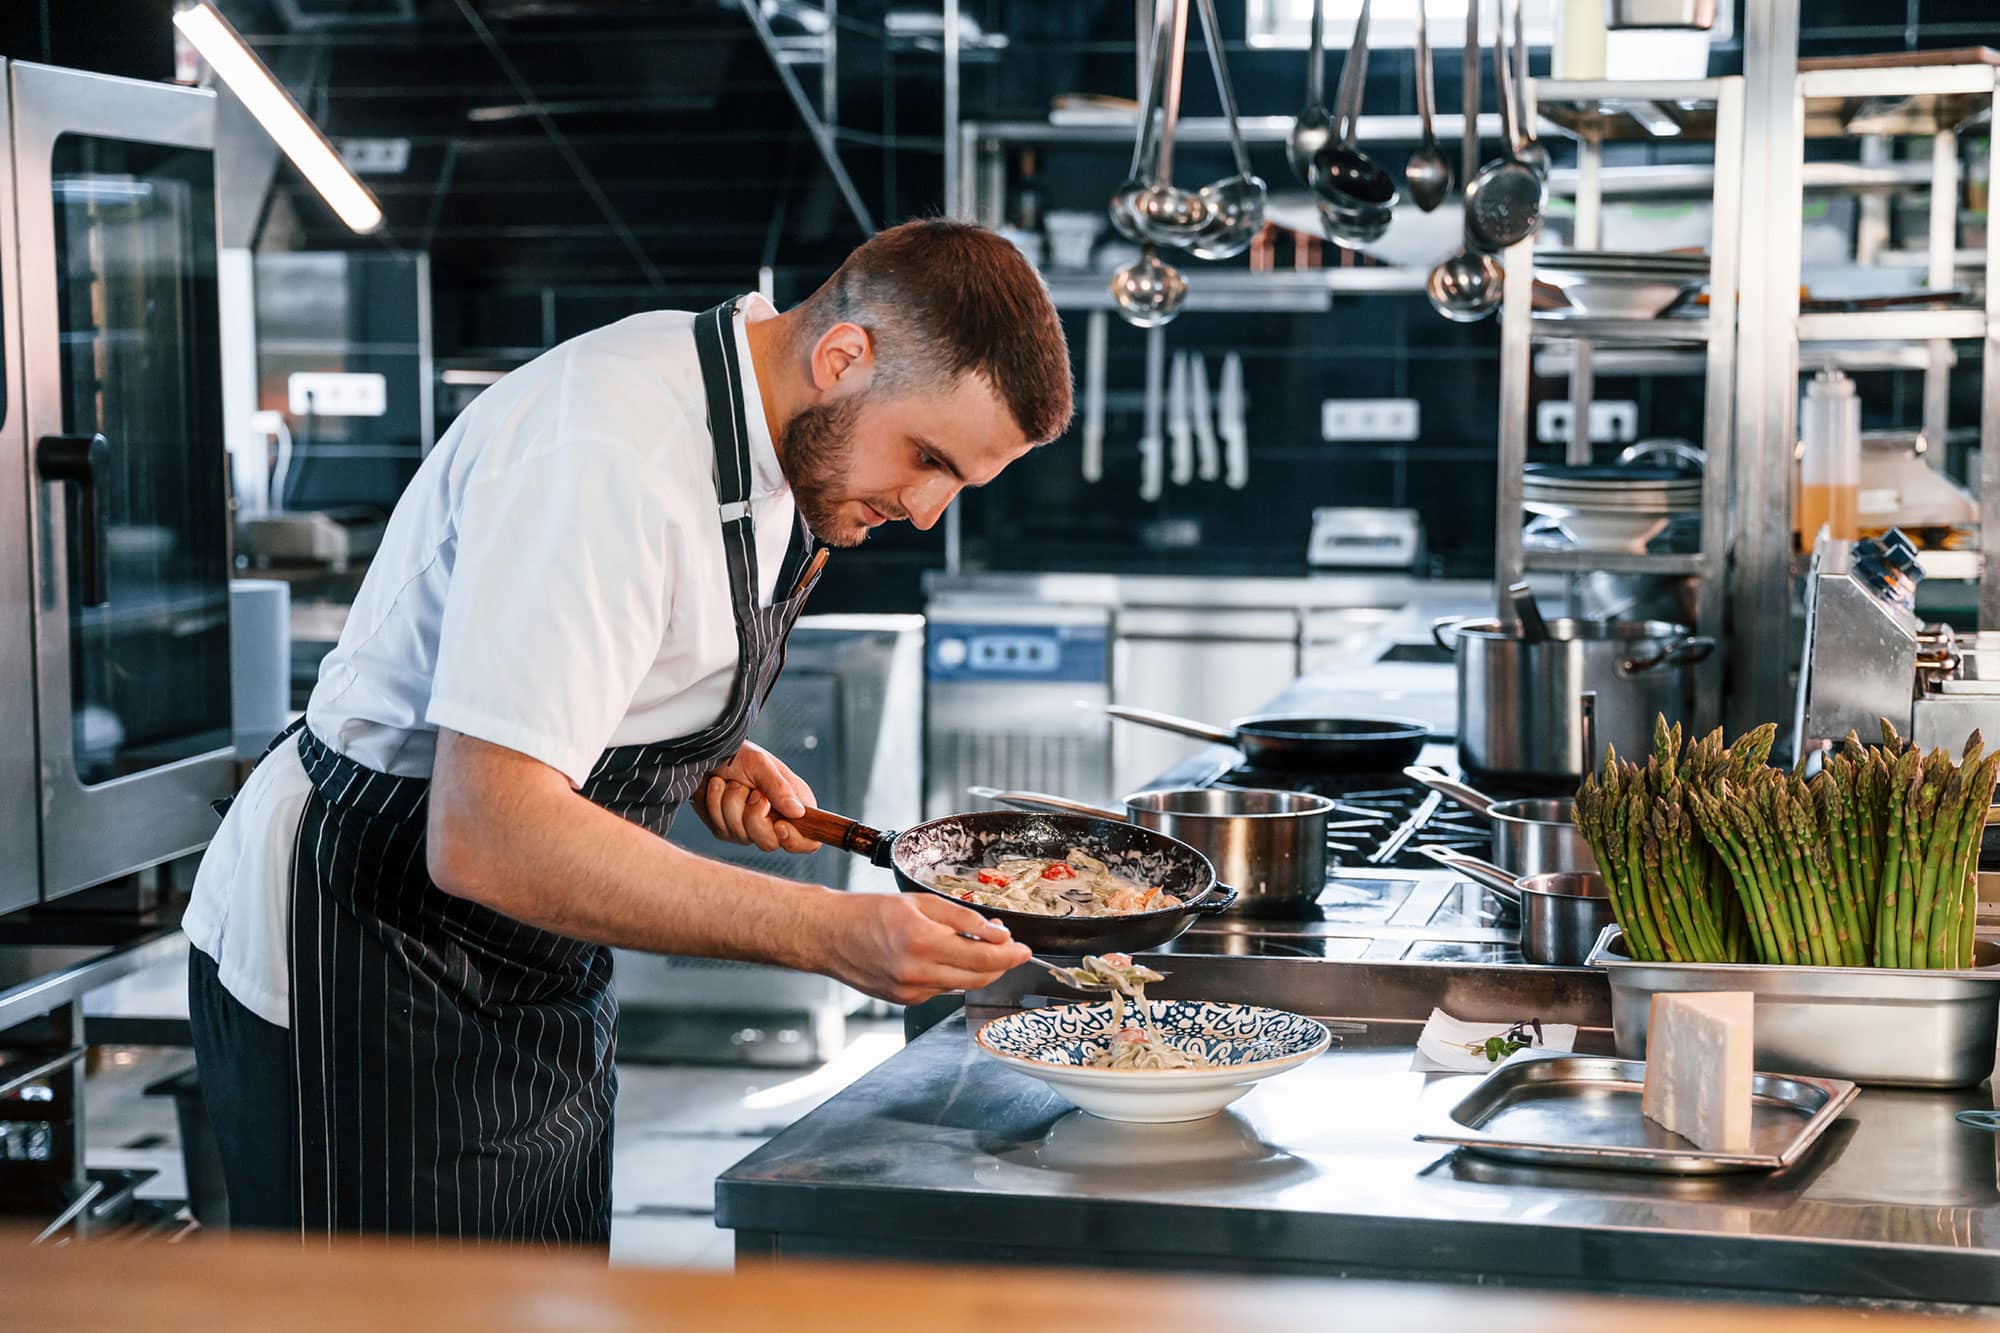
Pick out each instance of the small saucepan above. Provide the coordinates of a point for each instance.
(1308, 744)
(1535, 836)
(1269, 845)
(1561, 914)
(921, 850)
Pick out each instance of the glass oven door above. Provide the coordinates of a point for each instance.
(20, 869)
(116, 218)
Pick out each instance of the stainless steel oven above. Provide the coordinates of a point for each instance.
(114, 560)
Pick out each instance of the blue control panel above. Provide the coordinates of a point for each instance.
(1058, 654)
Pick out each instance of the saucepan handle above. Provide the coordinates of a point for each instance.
(1685, 652)
(847, 834)
(1438, 628)
(1035, 800)
(1438, 781)
(1492, 876)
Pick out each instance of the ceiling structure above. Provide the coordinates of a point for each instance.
(561, 160)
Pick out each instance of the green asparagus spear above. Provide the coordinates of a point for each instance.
(1940, 844)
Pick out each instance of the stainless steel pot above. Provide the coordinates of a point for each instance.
(1270, 846)
(1518, 714)
(1530, 837)
(1561, 915)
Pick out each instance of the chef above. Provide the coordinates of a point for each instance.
(401, 977)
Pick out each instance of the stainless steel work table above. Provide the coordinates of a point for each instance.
(942, 1154)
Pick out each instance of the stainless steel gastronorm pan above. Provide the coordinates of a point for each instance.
(1896, 1026)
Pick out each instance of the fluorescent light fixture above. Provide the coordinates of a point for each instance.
(246, 76)
(467, 379)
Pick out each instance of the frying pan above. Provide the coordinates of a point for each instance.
(973, 839)
(1308, 744)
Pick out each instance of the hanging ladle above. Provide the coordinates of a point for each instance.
(1169, 215)
(1428, 172)
(1236, 203)
(1467, 286)
(1126, 218)
(1148, 291)
(1356, 196)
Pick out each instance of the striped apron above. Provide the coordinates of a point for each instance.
(454, 1066)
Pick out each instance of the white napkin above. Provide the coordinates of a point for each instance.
(1442, 1044)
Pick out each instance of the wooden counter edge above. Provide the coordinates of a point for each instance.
(274, 1283)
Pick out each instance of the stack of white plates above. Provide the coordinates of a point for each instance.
(1610, 508)
(1609, 284)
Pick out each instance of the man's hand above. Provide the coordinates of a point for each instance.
(907, 947)
(746, 801)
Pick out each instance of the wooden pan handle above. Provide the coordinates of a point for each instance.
(847, 834)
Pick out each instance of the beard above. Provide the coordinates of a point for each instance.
(815, 450)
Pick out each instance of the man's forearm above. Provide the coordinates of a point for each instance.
(553, 859)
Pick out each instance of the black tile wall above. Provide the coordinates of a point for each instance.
(1041, 514)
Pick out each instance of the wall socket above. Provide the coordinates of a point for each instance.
(1613, 421)
(337, 394)
(1368, 419)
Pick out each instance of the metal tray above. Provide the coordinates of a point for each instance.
(1900, 1027)
(1557, 1109)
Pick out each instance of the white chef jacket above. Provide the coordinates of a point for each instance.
(553, 580)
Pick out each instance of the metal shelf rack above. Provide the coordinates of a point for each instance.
(1594, 114)
(1869, 97)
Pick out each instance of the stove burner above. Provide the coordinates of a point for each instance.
(1379, 821)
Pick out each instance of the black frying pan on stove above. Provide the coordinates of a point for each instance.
(1302, 743)
(918, 852)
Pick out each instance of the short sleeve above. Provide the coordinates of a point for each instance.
(557, 603)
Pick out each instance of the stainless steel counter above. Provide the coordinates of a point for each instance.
(940, 1153)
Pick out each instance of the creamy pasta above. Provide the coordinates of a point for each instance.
(1077, 885)
(1133, 1046)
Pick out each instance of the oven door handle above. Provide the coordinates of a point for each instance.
(80, 460)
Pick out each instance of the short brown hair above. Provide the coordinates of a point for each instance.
(941, 298)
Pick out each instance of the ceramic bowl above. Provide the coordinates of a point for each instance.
(1244, 1042)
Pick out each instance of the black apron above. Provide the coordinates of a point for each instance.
(454, 1066)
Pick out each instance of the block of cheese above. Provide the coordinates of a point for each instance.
(1698, 1049)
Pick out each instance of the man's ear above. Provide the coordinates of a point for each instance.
(843, 360)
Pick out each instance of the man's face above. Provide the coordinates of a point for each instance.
(863, 458)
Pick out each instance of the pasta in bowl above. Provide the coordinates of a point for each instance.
(1150, 1061)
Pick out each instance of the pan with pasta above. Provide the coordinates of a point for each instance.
(1119, 887)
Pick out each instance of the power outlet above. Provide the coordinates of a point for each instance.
(1368, 419)
(332, 394)
(1615, 421)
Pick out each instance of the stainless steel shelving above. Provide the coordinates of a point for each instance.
(1594, 114)
(1789, 106)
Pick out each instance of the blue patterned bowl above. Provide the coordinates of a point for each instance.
(1243, 1043)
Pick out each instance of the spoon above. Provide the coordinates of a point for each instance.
(1428, 172)
(1236, 203)
(1503, 203)
(1531, 149)
(1148, 291)
(1314, 128)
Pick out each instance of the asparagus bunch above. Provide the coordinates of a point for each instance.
(1670, 888)
(1711, 856)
